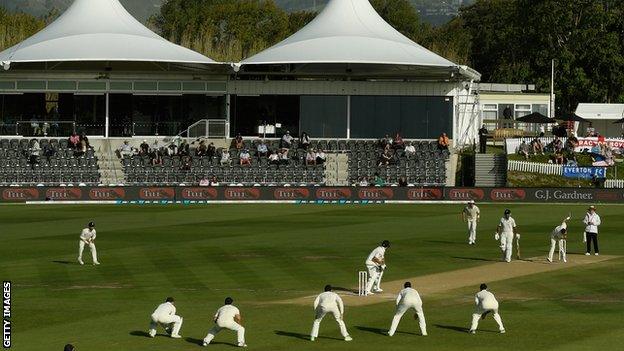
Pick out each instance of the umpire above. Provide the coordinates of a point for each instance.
(592, 221)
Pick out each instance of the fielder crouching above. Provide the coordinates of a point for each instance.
(87, 237)
(408, 298)
(165, 315)
(485, 303)
(559, 236)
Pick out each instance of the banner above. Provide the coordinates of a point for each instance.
(584, 172)
(587, 144)
(317, 195)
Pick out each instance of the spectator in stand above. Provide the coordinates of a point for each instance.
(245, 158)
(385, 158)
(274, 158)
(557, 144)
(320, 157)
(157, 158)
(263, 150)
(559, 159)
(204, 182)
(211, 151)
(286, 141)
(34, 152)
(483, 134)
(186, 163)
(379, 181)
(398, 143)
(524, 150)
(238, 142)
(590, 132)
(125, 150)
(410, 150)
(225, 158)
(49, 151)
(81, 150)
(184, 149)
(283, 157)
(74, 141)
(83, 137)
(571, 144)
(311, 158)
(202, 149)
(537, 146)
(403, 181)
(144, 148)
(364, 181)
(304, 141)
(214, 181)
(443, 142)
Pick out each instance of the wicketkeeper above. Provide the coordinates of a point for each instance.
(559, 236)
(87, 237)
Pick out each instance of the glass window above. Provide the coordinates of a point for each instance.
(522, 110)
(323, 116)
(249, 112)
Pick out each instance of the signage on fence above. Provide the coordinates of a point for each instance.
(587, 144)
(584, 172)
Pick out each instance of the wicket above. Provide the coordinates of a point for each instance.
(362, 280)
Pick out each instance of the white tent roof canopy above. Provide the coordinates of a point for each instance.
(351, 32)
(600, 111)
(99, 30)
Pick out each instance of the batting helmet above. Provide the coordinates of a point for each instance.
(91, 224)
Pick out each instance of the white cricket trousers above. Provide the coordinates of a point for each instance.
(400, 311)
(472, 231)
(166, 321)
(377, 284)
(81, 245)
(373, 275)
(320, 313)
(487, 307)
(506, 245)
(239, 329)
(553, 243)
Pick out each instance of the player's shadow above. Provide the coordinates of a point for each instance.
(201, 341)
(337, 288)
(475, 259)
(380, 331)
(301, 336)
(452, 327)
(62, 262)
(139, 333)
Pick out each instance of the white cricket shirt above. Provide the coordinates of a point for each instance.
(379, 252)
(329, 300)
(87, 234)
(472, 213)
(226, 313)
(592, 218)
(164, 309)
(485, 299)
(408, 295)
(507, 225)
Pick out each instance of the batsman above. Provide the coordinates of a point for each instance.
(505, 232)
(559, 236)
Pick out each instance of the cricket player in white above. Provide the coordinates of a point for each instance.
(376, 265)
(505, 232)
(87, 237)
(408, 298)
(227, 317)
(329, 302)
(558, 236)
(486, 303)
(471, 215)
(592, 222)
(165, 315)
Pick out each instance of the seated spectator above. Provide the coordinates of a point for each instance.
(398, 143)
(283, 157)
(310, 158)
(274, 158)
(49, 151)
(263, 150)
(34, 152)
(238, 142)
(186, 163)
(444, 142)
(524, 150)
(125, 150)
(202, 149)
(557, 144)
(225, 158)
(204, 182)
(245, 158)
(286, 141)
(74, 141)
(157, 158)
(385, 158)
(211, 150)
(84, 137)
(304, 141)
(81, 150)
(537, 146)
(403, 181)
(571, 144)
(214, 181)
(144, 148)
(320, 157)
(410, 150)
(172, 149)
(379, 181)
(364, 181)
(559, 159)
(184, 149)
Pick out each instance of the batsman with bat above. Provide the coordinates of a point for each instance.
(505, 232)
(559, 236)
(87, 237)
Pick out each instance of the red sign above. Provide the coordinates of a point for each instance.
(607, 196)
(242, 193)
(291, 194)
(156, 193)
(333, 193)
(64, 194)
(20, 194)
(107, 194)
(424, 194)
(507, 194)
(199, 193)
(375, 194)
(466, 194)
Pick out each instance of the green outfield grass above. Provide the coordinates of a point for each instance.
(263, 253)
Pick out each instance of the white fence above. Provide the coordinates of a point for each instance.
(614, 183)
(534, 167)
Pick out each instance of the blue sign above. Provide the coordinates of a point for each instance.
(584, 172)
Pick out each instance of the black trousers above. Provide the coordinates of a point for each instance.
(592, 237)
(482, 144)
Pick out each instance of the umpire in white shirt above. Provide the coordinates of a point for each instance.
(592, 221)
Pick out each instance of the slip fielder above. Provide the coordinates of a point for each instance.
(227, 317)
(329, 302)
(87, 237)
(376, 265)
(485, 303)
(559, 236)
(471, 215)
(408, 298)
(506, 231)
(165, 315)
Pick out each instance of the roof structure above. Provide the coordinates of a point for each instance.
(349, 34)
(600, 111)
(98, 30)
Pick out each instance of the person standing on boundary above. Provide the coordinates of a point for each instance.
(471, 214)
(87, 237)
(408, 298)
(375, 265)
(485, 303)
(558, 236)
(592, 221)
(505, 232)
(329, 302)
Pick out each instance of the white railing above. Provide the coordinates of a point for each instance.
(208, 128)
(614, 184)
(534, 167)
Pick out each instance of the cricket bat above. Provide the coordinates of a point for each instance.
(518, 248)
